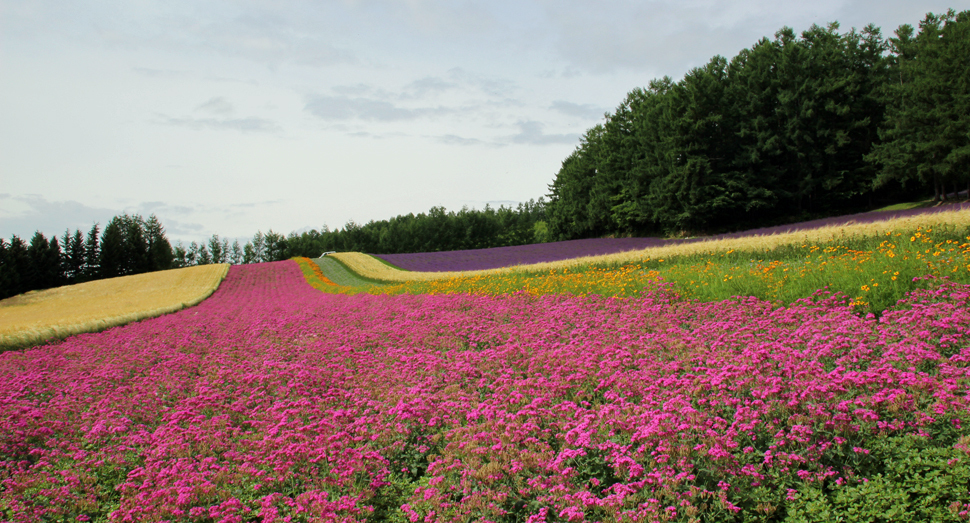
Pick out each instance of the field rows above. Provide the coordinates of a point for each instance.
(271, 400)
(93, 306)
(874, 265)
(627, 250)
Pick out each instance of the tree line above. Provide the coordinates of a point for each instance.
(793, 128)
(437, 230)
(131, 244)
(128, 245)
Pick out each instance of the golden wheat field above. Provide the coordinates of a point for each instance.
(369, 267)
(93, 306)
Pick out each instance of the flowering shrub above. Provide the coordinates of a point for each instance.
(875, 271)
(272, 401)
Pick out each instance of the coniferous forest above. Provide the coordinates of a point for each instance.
(799, 126)
(129, 244)
(823, 123)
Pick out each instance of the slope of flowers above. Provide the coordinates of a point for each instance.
(953, 217)
(875, 272)
(272, 401)
(482, 259)
(92, 306)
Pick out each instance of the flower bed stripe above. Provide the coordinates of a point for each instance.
(272, 400)
(498, 257)
(93, 306)
(368, 267)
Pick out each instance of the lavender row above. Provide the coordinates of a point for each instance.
(480, 259)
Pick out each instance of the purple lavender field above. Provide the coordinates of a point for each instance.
(479, 259)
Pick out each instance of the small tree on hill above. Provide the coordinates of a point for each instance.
(215, 249)
(92, 255)
(160, 254)
(15, 266)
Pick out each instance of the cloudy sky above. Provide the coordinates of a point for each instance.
(228, 117)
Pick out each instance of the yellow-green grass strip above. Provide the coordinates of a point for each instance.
(368, 267)
(36, 317)
(338, 273)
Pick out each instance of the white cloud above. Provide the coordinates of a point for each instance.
(246, 125)
(33, 212)
(588, 111)
(346, 108)
(429, 85)
(451, 139)
(217, 105)
(530, 133)
(669, 36)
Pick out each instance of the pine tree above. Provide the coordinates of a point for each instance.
(54, 267)
(259, 248)
(74, 256)
(16, 266)
(236, 256)
(215, 249)
(181, 256)
(570, 192)
(125, 246)
(37, 275)
(192, 256)
(249, 254)
(135, 245)
(92, 255)
(5, 270)
(112, 262)
(160, 254)
(926, 138)
(204, 257)
(275, 246)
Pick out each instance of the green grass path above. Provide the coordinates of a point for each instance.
(341, 275)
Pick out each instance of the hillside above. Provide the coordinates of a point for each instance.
(594, 392)
(497, 257)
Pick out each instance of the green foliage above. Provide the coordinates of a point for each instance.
(133, 245)
(540, 232)
(438, 230)
(926, 138)
(92, 254)
(14, 264)
(786, 130)
(912, 478)
(218, 249)
(873, 273)
(44, 269)
(160, 254)
(129, 245)
(570, 216)
(72, 262)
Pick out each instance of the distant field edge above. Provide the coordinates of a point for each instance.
(509, 256)
(367, 266)
(389, 264)
(36, 318)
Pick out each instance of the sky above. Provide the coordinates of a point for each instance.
(231, 117)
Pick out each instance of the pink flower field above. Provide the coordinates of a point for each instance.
(272, 401)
